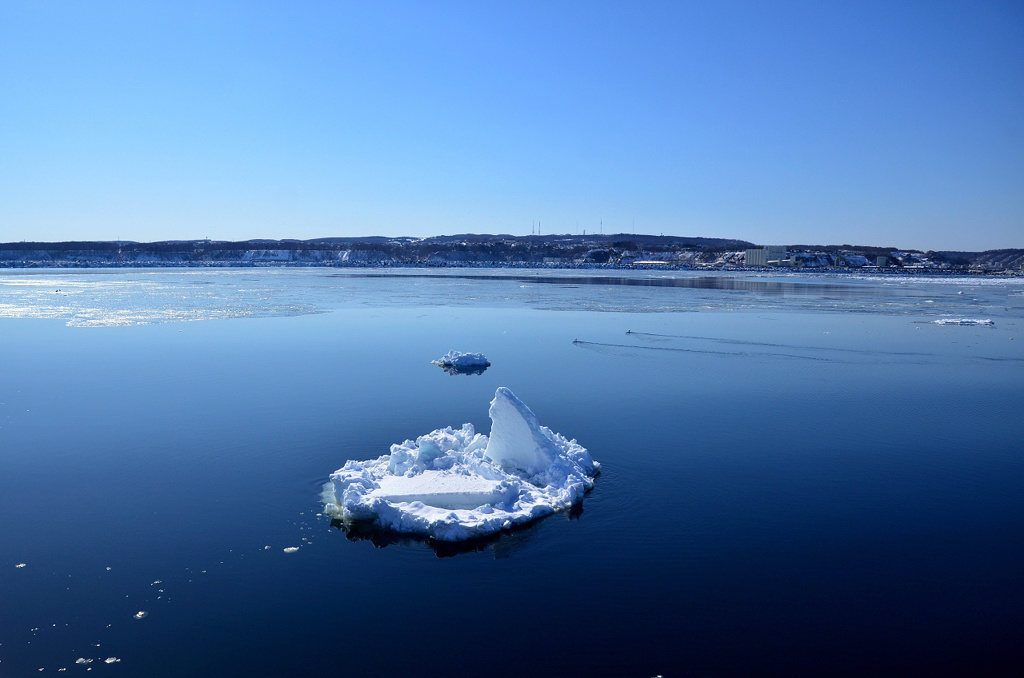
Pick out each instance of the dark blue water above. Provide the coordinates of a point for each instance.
(798, 482)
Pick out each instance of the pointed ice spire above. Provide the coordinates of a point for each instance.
(516, 439)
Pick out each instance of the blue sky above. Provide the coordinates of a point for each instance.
(887, 123)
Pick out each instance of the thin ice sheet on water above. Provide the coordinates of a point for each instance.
(455, 484)
(963, 321)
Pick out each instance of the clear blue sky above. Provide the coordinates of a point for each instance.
(889, 123)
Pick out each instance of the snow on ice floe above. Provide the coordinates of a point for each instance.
(457, 484)
(457, 362)
(962, 321)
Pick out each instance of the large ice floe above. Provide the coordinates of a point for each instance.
(457, 484)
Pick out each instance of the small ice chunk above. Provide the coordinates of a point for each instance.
(291, 549)
(460, 359)
(20, 565)
(111, 660)
(83, 660)
(456, 484)
(141, 614)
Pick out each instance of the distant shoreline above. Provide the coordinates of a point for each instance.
(777, 271)
(571, 252)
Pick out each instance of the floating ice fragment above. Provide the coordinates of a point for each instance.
(141, 614)
(456, 362)
(460, 359)
(111, 660)
(962, 321)
(83, 660)
(291, 549)
(20, 565)
(456, 484)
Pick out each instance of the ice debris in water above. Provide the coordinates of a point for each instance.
(20, 565)
(455, 484)
(111, 660)
(962, 321)
(291, 549)
(459, 359)
(141, 614)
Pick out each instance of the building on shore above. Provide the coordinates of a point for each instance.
(770, 255)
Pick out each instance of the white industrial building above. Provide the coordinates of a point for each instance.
(771, 255)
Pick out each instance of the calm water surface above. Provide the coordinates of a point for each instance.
(801, 475)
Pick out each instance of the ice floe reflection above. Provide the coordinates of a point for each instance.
(501, 544)
(464, 369)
